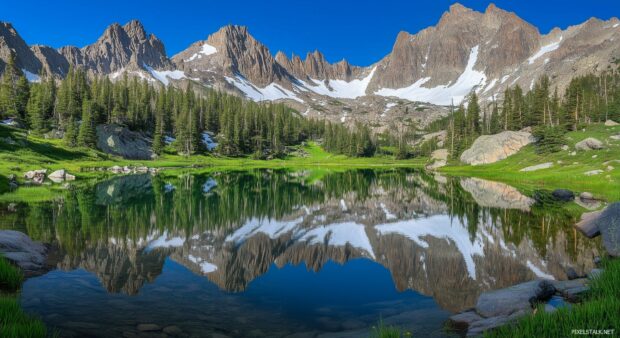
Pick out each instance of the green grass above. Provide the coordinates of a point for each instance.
(14, 323)
(387, 331)
(31, 153)
(600, 311)
(568, 174)
(11, 277)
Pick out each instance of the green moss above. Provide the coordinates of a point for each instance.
(387, 331)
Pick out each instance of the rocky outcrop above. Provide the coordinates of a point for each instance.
(503, 306)
(118, 48)
(492, 148)
(12, 43)
(52, 61)
(120, 141)
(439, 159)
(18, 248)
(537, 167)
(589, 144)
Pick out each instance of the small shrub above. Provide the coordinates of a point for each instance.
(549, 139)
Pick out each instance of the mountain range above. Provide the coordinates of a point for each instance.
(422, 75)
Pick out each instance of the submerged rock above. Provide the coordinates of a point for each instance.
(492, 148)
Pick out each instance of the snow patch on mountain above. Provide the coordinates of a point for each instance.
(205, 267)
(443, 94)
(269, 227)
(441, 227)
(340, 88)
(339, 235)
(31, 77)
(272, 92)
(164, 76)
(206, 50)
(544, 50)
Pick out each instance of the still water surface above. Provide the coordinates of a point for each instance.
(287, 253)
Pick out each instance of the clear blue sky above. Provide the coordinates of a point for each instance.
(360, 31)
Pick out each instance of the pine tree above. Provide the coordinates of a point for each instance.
(35, 110)
(70, 137)
(87, 135)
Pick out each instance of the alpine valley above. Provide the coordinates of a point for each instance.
(422, 75)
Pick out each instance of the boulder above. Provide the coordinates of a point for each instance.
(60, 175)
(18, 248)
(538, 167)
(120, 141)
(615, 137)
(611, 123)
(29, 175)
(563, 195)
(593, 172)
(589, 144)
(520, 297)
(439, 158)
(492, 148)
(587, 225)
(608, 223)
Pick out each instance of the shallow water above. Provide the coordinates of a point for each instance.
(277, 253)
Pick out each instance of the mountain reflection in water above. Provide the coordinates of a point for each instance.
(271, 253)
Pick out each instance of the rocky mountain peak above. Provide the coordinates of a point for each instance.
(12, 43)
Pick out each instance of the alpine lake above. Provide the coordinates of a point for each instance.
(286, 253)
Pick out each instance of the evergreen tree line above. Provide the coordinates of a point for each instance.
(76, 105)
(356, 142)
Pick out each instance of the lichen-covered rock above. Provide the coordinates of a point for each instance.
(589, 144)
(492, 148)
(120, 141)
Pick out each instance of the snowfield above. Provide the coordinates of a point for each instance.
(544, 50)
(206, 50)
(270, 93)
(164, 76)
(339, 88)
(443, 94)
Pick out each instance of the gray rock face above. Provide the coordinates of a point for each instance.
(118, 48)
(608, 222)
(492, 148)
(11, 42)
(123, 142)
(51, 60)
(30, 256)
(589, 144)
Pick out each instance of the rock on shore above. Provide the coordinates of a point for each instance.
(492, 148)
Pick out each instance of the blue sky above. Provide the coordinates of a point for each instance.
(360, 31)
